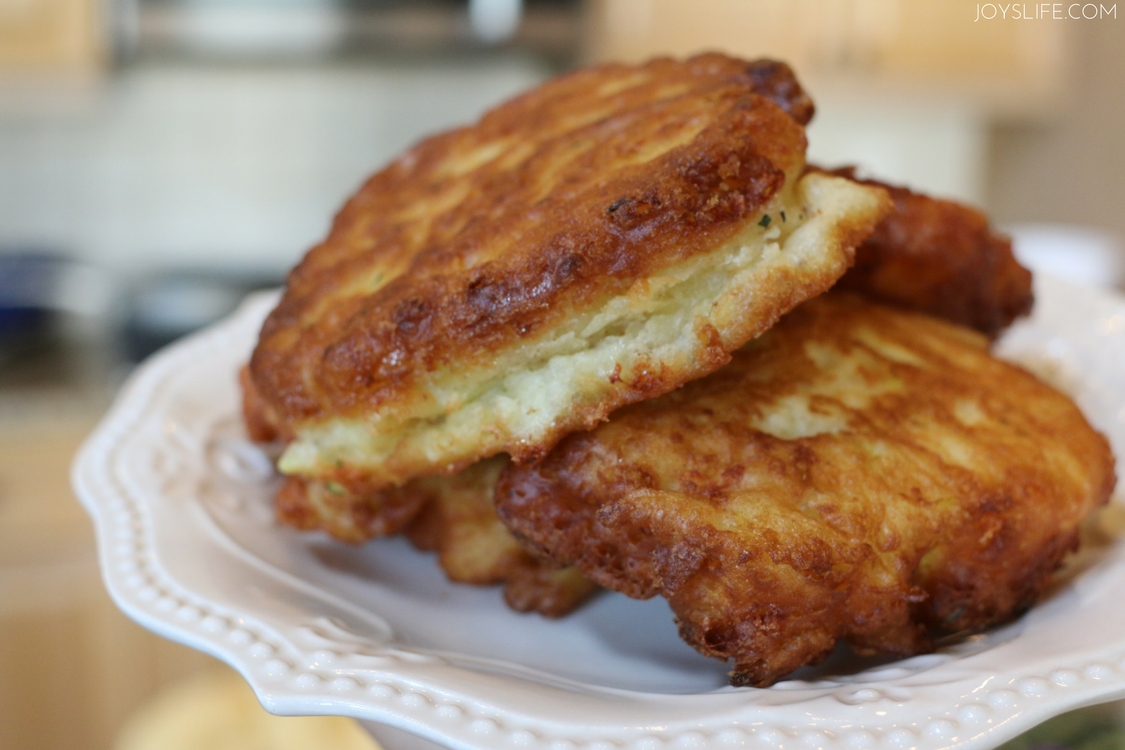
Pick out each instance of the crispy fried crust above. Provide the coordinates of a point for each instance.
(485, 242)
(351, 512)
(940, 257)
(347, 507)
(858, 473)
(546, 587)
(453, 516)
(459, 522)
(261, 425)
(476, 233)
(775, 81)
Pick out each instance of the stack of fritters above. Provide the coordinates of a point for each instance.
(858, 473)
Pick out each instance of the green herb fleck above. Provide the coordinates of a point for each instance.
(765, 222)
(335, 488)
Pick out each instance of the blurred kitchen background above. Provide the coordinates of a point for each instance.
(161, 158)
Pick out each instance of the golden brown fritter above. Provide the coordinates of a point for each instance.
(594, 242)
(347, 506)
(261, 424)
(940, 257)
(350, 511)
(776, 82)
(459, 522)
(453, 516)
(858, 473)
(546, 587)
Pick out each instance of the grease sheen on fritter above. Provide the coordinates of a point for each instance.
(596, 241)
(858, 473)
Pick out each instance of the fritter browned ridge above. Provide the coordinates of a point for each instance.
(858, 473)
(481, 248)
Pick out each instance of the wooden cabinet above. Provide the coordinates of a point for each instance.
(52, 36)
(900, 47)
(72, 667)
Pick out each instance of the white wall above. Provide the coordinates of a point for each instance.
(223, 167)
(937, 146)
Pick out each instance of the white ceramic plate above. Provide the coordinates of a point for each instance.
(181, 502)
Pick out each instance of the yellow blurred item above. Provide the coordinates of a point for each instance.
(72, 667)
(51, 35)
(217, 710)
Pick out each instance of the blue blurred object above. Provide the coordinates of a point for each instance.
(56, 318)
(28, 289)
(173, 303)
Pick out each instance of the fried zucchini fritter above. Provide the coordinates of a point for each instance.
(260, 422)
(350, 511)
(594, 242)
(453, 516)
(940, 257)
(459, 522)
(858, 473)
